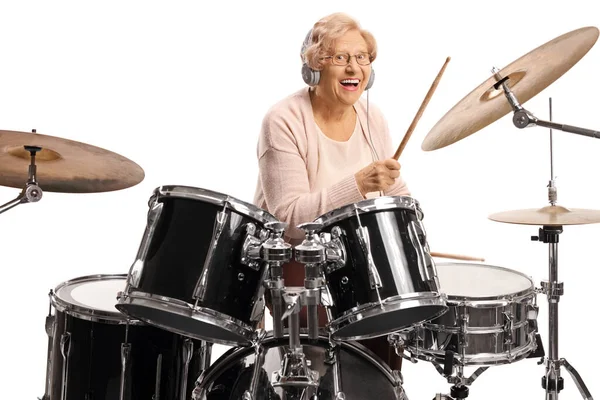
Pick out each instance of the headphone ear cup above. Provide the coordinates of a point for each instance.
(310, 76)
(371, 80)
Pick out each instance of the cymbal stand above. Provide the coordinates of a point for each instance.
(31, 193)
(276, 253)
(552, 382)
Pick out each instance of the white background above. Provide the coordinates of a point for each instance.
(181, 87)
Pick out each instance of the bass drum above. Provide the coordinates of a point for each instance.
(361, 374)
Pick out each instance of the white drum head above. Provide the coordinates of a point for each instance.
(480, 281)
(93, 295)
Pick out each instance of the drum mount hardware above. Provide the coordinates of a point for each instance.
(295, 369)
(276, 252)
(31, 192)
(524, 119)
(460, 388)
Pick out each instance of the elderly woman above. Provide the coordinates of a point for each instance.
(323, 147)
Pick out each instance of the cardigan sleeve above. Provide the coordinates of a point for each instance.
(284, 177)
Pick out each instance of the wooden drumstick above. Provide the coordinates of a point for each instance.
(456, 256)
(412, 126)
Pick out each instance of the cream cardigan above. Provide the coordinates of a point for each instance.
(288, 158)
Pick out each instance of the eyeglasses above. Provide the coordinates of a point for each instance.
(344, 58)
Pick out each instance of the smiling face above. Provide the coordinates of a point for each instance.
(345, 84)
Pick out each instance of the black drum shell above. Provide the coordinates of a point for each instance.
(94, 371)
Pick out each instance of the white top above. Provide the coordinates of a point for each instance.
(100, 295)
(338, 159)
(480, 280)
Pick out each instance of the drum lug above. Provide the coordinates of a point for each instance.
(463, 338)
(220, 220)
(398, 385)
(187, 350)
(125, 355)
(365, 243)
(332, 357)
(509, 321)
(424, 259)
(135, 271)
(156, 395)
(65, 349)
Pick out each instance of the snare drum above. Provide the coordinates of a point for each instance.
(383, 278)
(491, 320)
(197, 272)
(96, 353)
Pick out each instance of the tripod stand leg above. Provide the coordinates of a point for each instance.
(552, 382)
(585, 393)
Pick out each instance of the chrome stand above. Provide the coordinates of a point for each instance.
(295, 369)
(312, 254)
(31, 192)
(552, 382)
(276, 253)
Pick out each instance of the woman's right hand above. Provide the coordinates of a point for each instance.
(377, 176)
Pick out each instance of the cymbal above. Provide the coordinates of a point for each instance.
(528, 76)
(64, 165)
(549, 216)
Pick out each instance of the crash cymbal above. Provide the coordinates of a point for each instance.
(528, 76)
(549, 216)
(64, 165)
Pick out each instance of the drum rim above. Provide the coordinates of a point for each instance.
(234, 354)
(217, 198)
(488, 300)
(370, 205)
(84, 312)
(393, 304)
(184, 309)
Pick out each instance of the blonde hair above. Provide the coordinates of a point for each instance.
(320, 41)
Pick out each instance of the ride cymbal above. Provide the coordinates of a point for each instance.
(527, 76)
(548, 216)
(64, 165)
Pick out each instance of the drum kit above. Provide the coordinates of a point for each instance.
(209, 264)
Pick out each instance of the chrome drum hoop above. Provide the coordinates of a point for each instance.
(421, 299)
(216, 198)
(369, 205)
(183, 309)
(87, 313)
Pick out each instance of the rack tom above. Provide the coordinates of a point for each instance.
(382, 278)
(198, 270)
